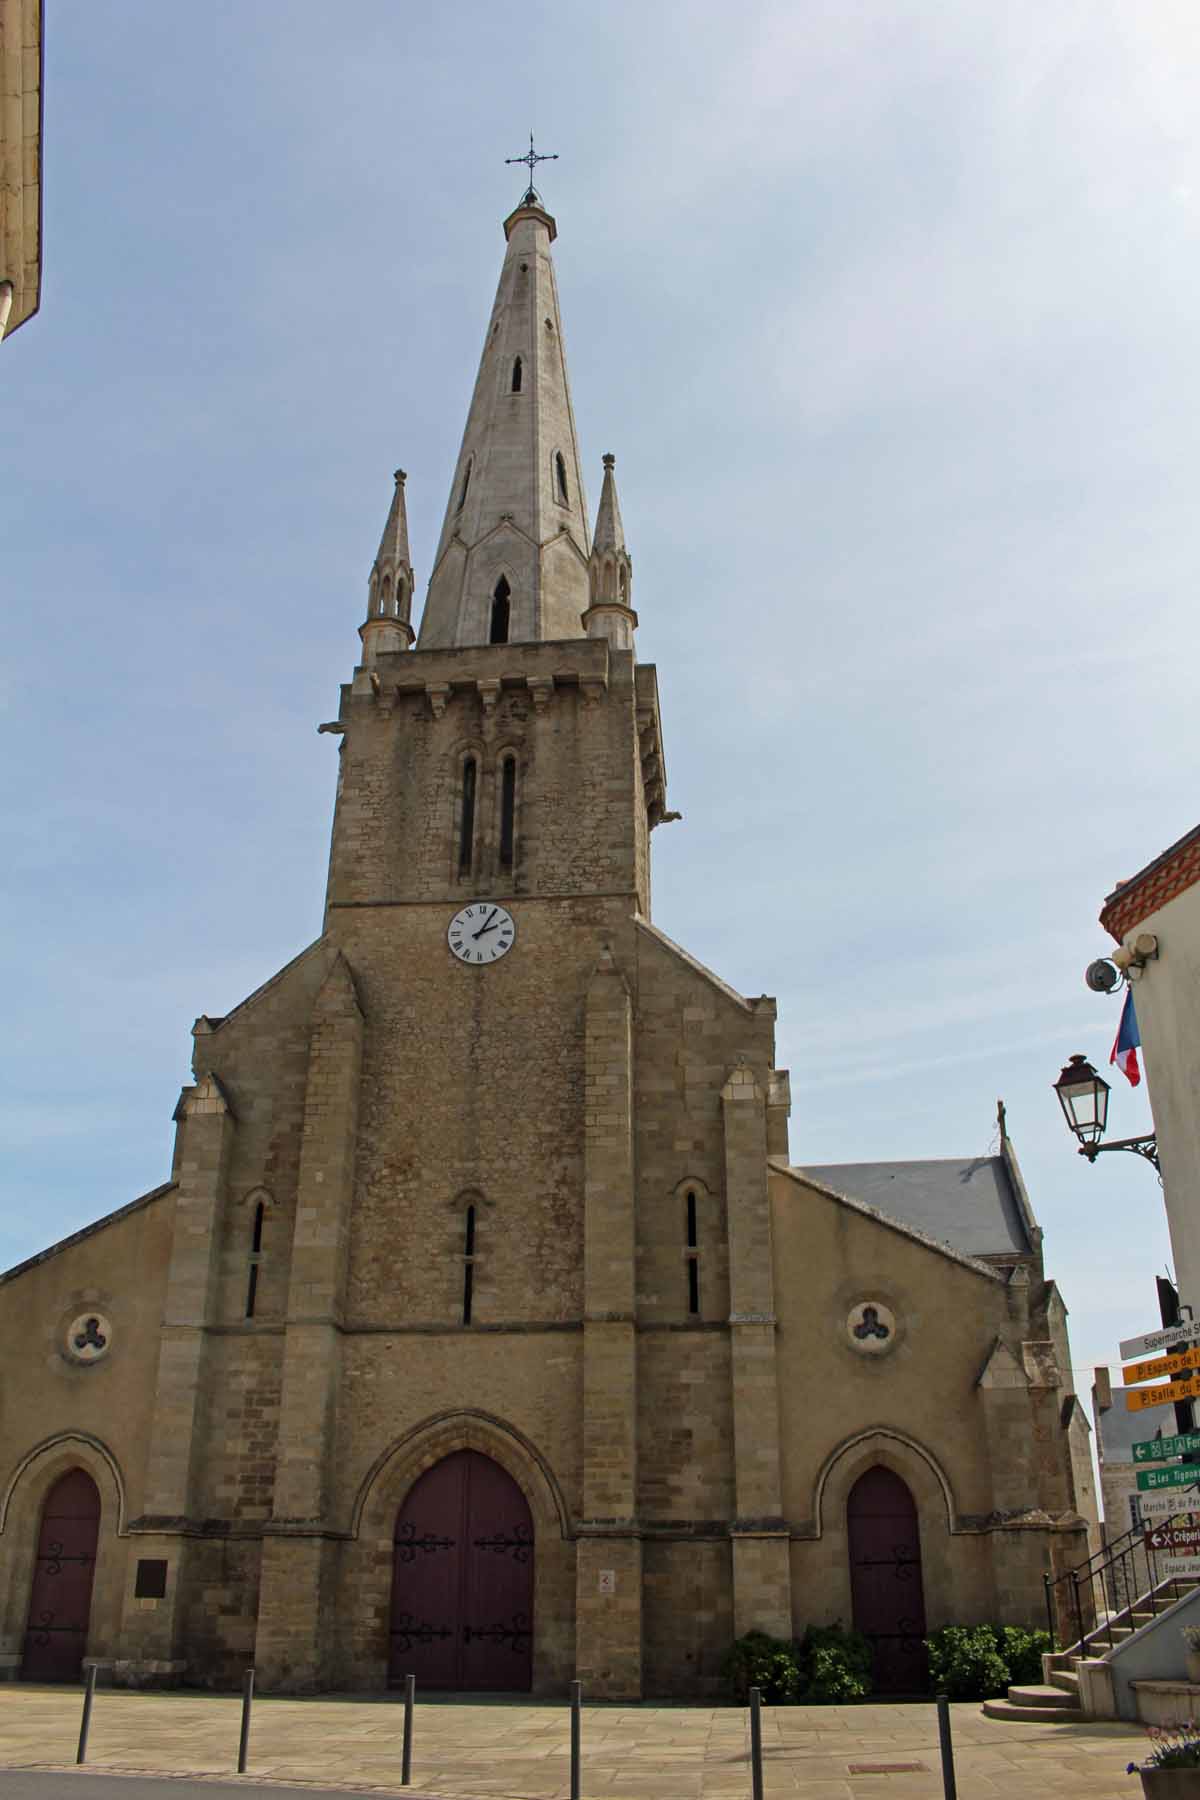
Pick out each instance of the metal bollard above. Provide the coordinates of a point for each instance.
(756, 1772)
(247, 1697)
(949, 1786)
(410, 1692)
(89, 1694)
(576, 1710)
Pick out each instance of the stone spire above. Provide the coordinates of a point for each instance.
(511, 563)
(388, 624)
(610, 571)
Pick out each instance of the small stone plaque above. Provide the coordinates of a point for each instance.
(607, 1581)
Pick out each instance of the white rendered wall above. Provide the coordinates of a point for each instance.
(1166, 997)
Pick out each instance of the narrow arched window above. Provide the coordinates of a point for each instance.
(466, 482)
(516, 375)
(625, 585)
(692, 1253)
(508, 810)
(385, 606)
(468, 1265)
(498, 632)
(466, 827)
(256, 1238)
(560, 476)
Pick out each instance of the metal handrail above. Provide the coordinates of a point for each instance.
(1123, 1573)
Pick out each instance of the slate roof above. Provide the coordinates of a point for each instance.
(1119, 1430)
(968, 1205)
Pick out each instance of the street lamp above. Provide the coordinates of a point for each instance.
(1083, 1096)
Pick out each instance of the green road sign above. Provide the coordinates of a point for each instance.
(1178, 1475)
(1161, 1449)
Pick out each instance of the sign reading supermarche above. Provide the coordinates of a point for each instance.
(1171, 1337)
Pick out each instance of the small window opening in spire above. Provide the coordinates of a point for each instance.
(255, 1258)
(468, 1265)
(466, 831)
(516, 375)
(560, 476)
(466, 482)
(508, 809)
(501, 593)
(693, 1256)
(624, 585)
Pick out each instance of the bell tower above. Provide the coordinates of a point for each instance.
(516, 751)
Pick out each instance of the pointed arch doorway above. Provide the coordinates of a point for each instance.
(462, 1580)
(60, 1601)
(886, 1589)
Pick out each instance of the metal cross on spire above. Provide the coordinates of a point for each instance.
(531, 160)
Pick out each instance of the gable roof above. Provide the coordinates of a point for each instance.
(77, 1237)
(1118, 1429)
(969, 1205)
(809, 1179)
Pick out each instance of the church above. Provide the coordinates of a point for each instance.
(485, 1329)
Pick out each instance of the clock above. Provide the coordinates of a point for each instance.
(481, 933)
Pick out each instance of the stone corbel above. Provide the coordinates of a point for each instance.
(593, 688)
(438, 693)
(541, 687)
(489, 693)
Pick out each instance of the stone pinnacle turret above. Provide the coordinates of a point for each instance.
(388, 625)
(511, 563)
(610, 571)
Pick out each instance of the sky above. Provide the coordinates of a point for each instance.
(887, 311)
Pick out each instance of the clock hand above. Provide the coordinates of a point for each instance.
(488, 926)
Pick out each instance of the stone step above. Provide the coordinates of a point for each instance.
(1066, 1679)
(1036, 1715)
(1053, 1698)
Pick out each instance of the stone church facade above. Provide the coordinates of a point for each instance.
(484, 1328)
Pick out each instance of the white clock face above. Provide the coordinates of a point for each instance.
(481, 933)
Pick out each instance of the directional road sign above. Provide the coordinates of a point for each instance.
(1182, 1443)
(1175, 1475)
(1159, 1367)
(1154, 1343)
(1169, 1567)
(1175, 1540)
(1137, 1399)
(1172, 1503)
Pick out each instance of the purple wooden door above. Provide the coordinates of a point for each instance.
(61, 1600)
(462, 1580)
(885, 1579)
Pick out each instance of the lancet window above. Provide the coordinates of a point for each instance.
(468, 1291)
(560, 476)
(501, 597)
(466, 482)
(466, 815)
(508, 811)
(516, 375)
(254, 1260)
(692, 1251)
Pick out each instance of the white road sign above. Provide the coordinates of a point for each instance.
(1169, 1504)
(1169, 1337)
(1168, 1566)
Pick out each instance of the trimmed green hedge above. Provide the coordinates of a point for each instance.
(978, 1662)
(826, 1665)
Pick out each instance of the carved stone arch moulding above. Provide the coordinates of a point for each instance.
(41, 1467)
(386, 1484)
(468, 1196)
(885, 1447)
(256, 1195)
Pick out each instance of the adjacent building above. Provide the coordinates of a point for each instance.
(21, 24)
(1162, 902)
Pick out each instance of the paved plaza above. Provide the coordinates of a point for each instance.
(507, 1750)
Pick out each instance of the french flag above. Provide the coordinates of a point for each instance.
(1125, 1049)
